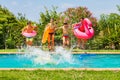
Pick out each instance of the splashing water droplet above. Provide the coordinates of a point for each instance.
(38, 56)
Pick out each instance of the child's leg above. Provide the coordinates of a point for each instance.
(83, 43)
(49, 41)
(52, 45)
(78, 43)
(67, 42)
(29, 41)
(64, 42)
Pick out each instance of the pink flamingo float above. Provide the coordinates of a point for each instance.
(89, 31)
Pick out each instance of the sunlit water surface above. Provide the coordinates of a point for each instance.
(61, 58)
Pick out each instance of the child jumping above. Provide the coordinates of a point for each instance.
(29, 29)
(66, 37)
(51, 32)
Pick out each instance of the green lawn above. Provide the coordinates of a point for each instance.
(59, 75)
(8, 50)
(74, 50)
(78, 50)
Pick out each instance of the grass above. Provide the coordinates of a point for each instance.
(8, 50)
(74, 50)
(59, 75)
(79, 50)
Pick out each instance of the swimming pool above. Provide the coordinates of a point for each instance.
(78, 61)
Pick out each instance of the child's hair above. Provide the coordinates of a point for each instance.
(65, 23)
(29, 22)
(82, 18)
(52, 19)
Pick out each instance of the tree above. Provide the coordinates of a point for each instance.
(75, 14)
(118, 6)
(10, 28)
(7, 21)
(109, 26)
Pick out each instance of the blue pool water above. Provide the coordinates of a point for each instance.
(78, 61)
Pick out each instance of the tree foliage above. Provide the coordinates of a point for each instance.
(7, 21)
(109, 26)
(10, 29)
(107, 32)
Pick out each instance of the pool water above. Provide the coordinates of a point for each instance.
(78, 61)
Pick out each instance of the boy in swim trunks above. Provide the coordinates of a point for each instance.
(66, 36)
(29, 29)
(65, 28)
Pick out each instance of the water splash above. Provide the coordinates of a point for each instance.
(59, 56)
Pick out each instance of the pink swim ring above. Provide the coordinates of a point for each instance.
(89, 31)
(29, 34)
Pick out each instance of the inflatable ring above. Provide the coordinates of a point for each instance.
(29, 34)
(89, 31)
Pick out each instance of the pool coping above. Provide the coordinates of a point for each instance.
(65, 69)
(72, 52)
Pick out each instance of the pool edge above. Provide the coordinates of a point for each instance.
(66, 69)
(71, 52)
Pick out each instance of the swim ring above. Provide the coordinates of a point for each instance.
(29, 34)
(88, 33)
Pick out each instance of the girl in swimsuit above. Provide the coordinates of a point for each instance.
(29, 29)
(51, 29)
(81, 41)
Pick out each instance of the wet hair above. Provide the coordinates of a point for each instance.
(29, 22)
(82, 18)
(52, 19)
(65, 23)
